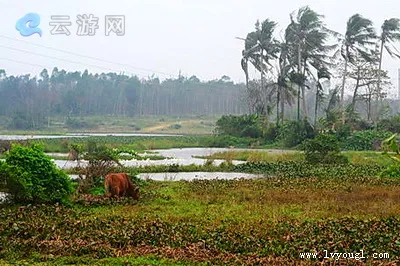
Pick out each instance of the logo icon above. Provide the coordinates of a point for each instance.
(28, 25)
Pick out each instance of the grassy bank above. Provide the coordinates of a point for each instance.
(194, 125)
(247, 222)
(355, 157)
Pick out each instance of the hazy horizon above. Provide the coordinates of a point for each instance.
(165, 37)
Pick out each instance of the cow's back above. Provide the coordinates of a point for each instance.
(116, 184)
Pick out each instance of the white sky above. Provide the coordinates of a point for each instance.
(194, 36)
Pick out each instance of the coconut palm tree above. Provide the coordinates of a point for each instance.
(260, 48)
(390, 33)
(284, 91)
(307, 36)
(323, 73)
(358, 42)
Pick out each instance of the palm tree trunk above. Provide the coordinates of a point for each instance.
(353, 102)
(316, 107)
(380, 65)
(261, 69)
(278, 95)
(305, 112)
(342, 91)
(299, 85)
(282, 106)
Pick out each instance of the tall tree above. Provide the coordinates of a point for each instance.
(390, 33)
(307, 36)
(260, 49)
(323, 73)
(358, 41)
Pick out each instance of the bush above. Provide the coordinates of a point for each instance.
(391, 171)
(391, 124)
(2, 175)
(226, 141)
(271, 134)
(19, 121)
(101, 161)
(293, 133)
(239, 126)
(364, 140)
(76, 124)
(324, 148)
(31, 176)
(176, 126)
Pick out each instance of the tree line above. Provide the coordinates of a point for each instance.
(312, 63)
(31, 101)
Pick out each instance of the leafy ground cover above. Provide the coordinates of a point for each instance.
(248, 222)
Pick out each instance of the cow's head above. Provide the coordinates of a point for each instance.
(134, 192)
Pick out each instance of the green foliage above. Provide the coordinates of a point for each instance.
(33, 177)
(324, 148)
(3, 176)
(390, 144)
(101, 160)
(293, 133)
(74, 123)
(226, 141)
(391, 171)
(32, 229)
(176, 126)
(239, 126)
(391, 124)
(302, 169)
(343, 131)
(21, 121)
(364, 140)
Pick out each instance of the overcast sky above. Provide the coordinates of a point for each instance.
(165, 36)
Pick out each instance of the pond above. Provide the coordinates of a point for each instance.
(189, 176)
(182, 157)
(196, 175)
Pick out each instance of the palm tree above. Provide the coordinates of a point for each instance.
(390, 33)
(260, 47)
(323, 73)
(284, 91)
(307, 36)
(359, 38)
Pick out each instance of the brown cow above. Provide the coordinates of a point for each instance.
(119, 184)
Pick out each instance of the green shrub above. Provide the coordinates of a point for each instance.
(343, 131)
(391, 124)
(239, 126)
(303, 169)
(176, 126)
(271, 133)
(2, 175)
(292, 133)
(73, 123)
(364, 140)
(391, 171)
(33, 177)
(226, 141)
(324, 148)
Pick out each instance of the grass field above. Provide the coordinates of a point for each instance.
(355, 157)
(245, 222)
(192, 125)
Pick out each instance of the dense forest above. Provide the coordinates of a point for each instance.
(30, 101)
